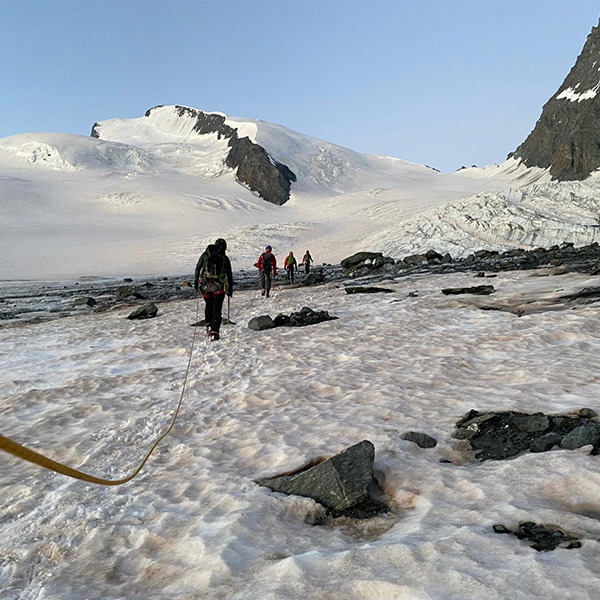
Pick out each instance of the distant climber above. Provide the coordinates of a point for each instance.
(306, 260)
(290, 265)
(267, 267)
(214, 278)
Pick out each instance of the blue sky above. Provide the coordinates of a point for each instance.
(445, 83)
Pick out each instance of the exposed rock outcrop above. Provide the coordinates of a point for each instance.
(338, 483)
(148, 311)
(566, 138)
(500, 435)
(256, 168)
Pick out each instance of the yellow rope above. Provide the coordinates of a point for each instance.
(20, 451)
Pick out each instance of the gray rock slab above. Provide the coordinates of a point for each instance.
(480, 290)
(261, 323)
(148, 311)
(358, 258)
(363, 289)
(338, 483)
(581, 436)
(421, 439)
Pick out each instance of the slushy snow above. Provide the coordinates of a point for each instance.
(95, 390)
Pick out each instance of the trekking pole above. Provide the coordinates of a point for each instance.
(228, 309)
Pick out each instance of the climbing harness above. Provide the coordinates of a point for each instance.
(24, 453)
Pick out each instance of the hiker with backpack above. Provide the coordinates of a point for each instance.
(290, 265)
(306, 260)
(267, 267)
(214, 278)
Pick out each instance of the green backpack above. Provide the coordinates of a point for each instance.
(212, 274)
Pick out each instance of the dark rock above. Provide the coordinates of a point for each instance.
(308, 316)
(480, 290)
(543, 537)
(359, 258)
(281, 320)
(499, 435)
(566, 137)
(313, 278)
(271, 179)
(338, 483)
(261, 323)
(86, 301)
(589, 433)
(532, 423)
(127, 279)
(415, 259)
(587, 413)
(432, 255)
(363, 289)
(148, 311)
(546, 442)
(127, 292)
(421, 439)
(501, 529)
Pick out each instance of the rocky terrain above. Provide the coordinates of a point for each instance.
(31, 301)
(565, 138)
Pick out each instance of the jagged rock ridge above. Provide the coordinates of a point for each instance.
(267, 177)
(566, 138)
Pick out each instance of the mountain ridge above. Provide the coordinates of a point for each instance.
(566, 137)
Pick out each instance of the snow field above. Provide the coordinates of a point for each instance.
(96, 390)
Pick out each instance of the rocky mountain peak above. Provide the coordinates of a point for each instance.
(566, 138)
(255, 167)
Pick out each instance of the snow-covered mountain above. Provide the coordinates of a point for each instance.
(146, 195)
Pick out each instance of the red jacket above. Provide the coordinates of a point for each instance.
(273, 261)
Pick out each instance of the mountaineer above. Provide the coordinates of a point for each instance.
(267, 267)
(213, 277)
(290, 265)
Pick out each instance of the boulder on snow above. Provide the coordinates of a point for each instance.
(359, 258)
(421, 439)
(500, 435)
(337, 483)
(313, 278)
(364, 289)
(261, 322)
(480, 290)
(148, 311)
(127, 292)
(308, 316)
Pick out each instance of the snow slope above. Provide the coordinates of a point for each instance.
(95, 390)
(149, 196)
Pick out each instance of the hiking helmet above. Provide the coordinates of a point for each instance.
(221, 242)
(268, 248)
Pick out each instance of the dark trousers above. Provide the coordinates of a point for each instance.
(307, 268)
(213, 305)
(290, 274)
(265, 280)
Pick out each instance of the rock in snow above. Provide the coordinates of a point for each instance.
(338, 483)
